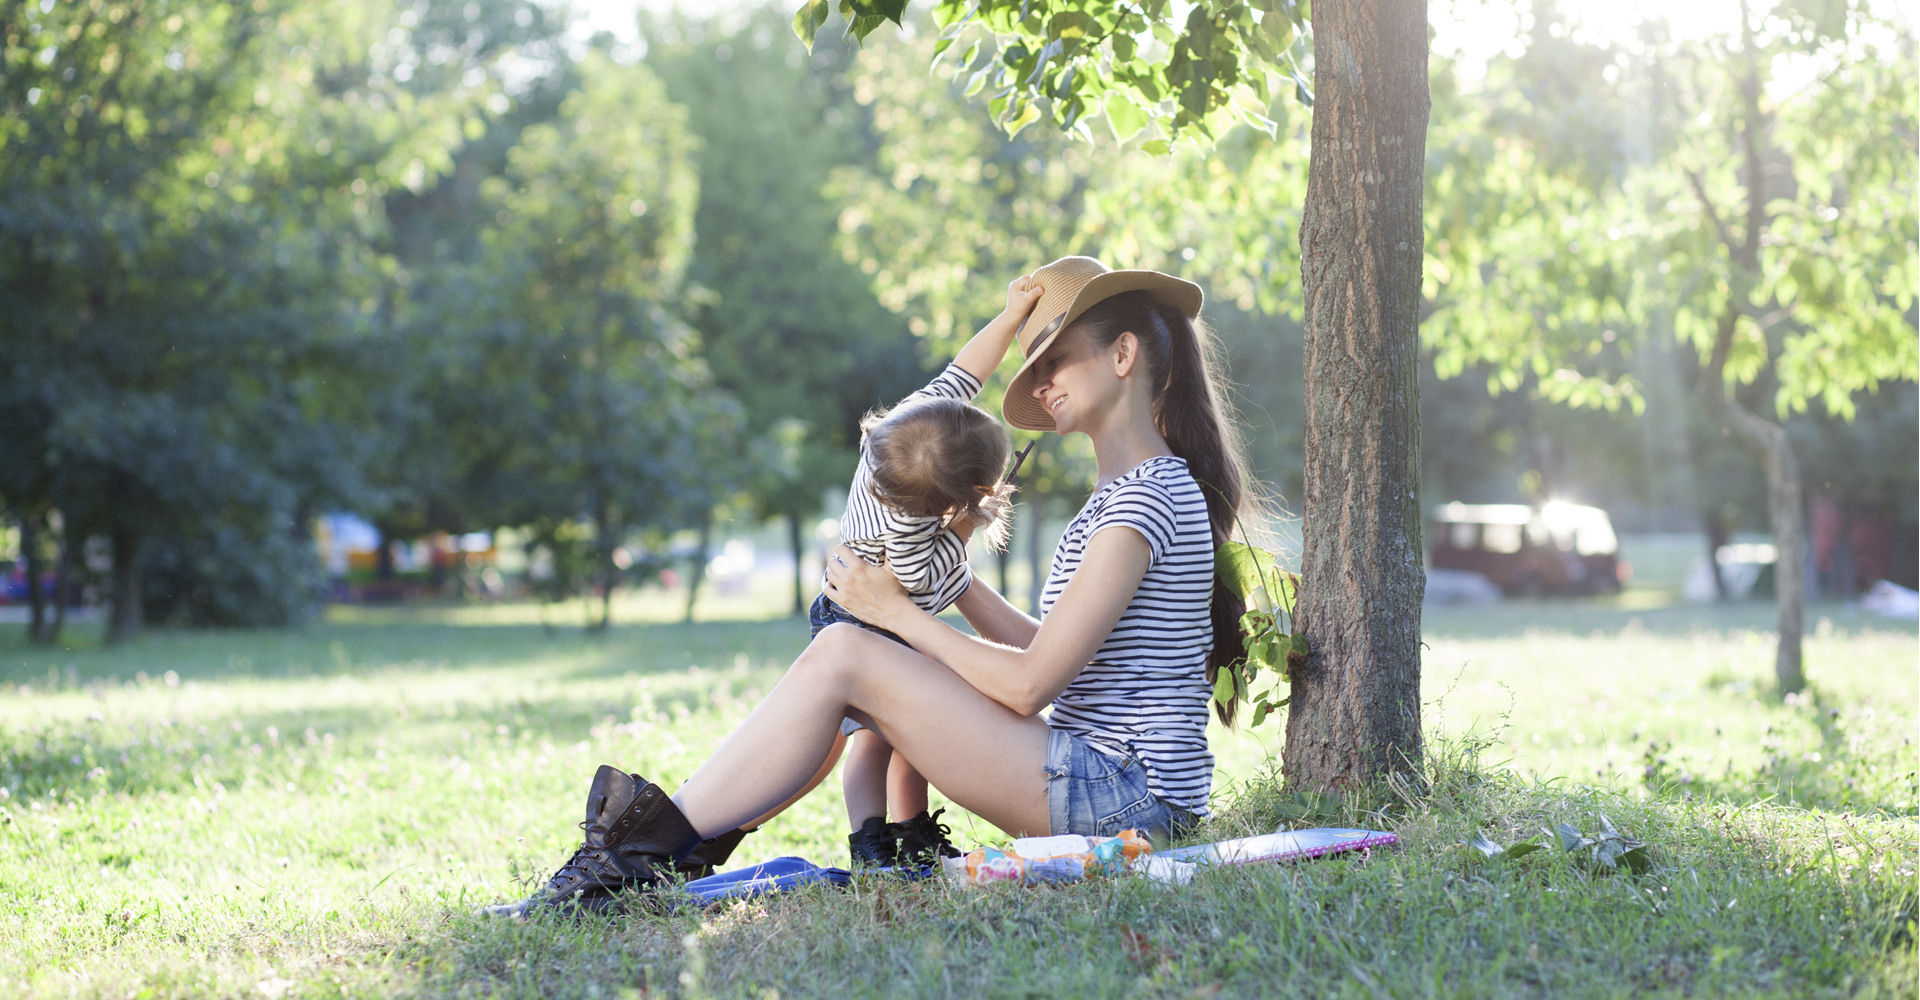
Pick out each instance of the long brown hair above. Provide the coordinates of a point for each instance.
(1191, 412)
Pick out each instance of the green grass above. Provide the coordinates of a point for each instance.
(317, 813)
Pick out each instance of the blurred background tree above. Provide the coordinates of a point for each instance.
(266, 262)
(786, 324)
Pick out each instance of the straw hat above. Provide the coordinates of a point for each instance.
(1074, 285)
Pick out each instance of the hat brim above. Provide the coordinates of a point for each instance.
(1025, 412)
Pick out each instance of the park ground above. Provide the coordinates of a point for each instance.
(317, 813)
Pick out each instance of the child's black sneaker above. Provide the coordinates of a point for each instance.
(873, 844)
(922, 840)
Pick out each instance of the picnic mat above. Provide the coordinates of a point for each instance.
(1286, 845)
(768, 876)
(1175, 866)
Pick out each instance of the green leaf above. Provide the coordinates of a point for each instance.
(1637, 859)
(1245, 569)
(1156, 147)
(1570, 838)
(1297, 646)
(1124, 117)
(1028, 114)
(1223, 686)
(807, 22)
(952, 12)
(1047, 52)
(1494, 852)
(979, 78)
(1259, 715)
(1123, 48)
(1069, 24)
(1278, 31)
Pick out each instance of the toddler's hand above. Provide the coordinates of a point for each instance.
(1022, 294)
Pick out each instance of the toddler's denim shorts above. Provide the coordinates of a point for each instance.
(1099, 794)
(824, 613)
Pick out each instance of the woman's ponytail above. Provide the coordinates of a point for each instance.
(1190, 411)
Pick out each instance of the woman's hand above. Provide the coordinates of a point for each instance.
(868, 592)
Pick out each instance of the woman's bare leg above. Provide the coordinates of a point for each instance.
(906, 789)
(981, 754)
(833, 757)
(864, 780)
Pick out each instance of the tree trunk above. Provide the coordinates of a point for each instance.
(799, 576)
(127, 617)
(1717, 536)
(697, 573)
(1355, 714)
(36, 599)
(1786, 509)
(62, 562)
(1037, 578)
(607, 572)
(1786, 505)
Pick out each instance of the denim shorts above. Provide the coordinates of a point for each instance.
(824, 613)
(1099, 794)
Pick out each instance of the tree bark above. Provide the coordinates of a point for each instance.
(1037, 575)
(799, 577)
(36, 600)
(1355, 713)
(1717, 536)
(62, 563)
(127, 618)
(1786, 509)
(697, 573)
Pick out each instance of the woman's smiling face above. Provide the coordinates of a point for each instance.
(1075, 381)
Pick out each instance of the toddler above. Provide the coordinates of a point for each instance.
(930, 475)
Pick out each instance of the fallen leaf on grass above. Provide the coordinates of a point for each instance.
(1141, 948)
(1494, 852)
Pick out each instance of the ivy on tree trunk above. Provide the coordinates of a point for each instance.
(1355, 714)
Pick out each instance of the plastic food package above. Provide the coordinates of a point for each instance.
(1032, 860)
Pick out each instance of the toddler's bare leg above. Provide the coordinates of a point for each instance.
(906, 790)
(864, 779)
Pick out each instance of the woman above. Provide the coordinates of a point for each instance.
(1122, 655)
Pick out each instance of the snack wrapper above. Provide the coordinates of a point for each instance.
(1033, 860)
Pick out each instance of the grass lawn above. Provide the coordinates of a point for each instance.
(317, 813)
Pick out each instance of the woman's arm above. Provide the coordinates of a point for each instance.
(1024, 680)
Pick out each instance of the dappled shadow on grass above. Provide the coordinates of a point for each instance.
(251, 733)
(1764, 900)
(1844, 770)
(337, 650)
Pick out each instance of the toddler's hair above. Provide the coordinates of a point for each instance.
(942, 458)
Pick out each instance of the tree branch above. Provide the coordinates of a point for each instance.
(1700, 188)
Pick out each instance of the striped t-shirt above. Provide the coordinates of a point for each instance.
(929, 560)
(1144, 695)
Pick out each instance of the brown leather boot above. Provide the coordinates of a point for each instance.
(710, 855)
(635, 837)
